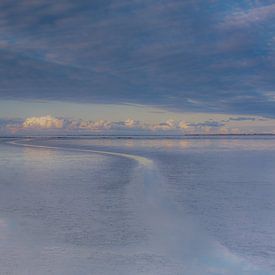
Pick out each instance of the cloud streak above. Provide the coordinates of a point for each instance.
(251, 16)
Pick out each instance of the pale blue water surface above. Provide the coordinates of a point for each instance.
(137, 206)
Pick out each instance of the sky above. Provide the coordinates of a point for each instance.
(205, 64)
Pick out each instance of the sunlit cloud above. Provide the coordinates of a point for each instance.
(56, 125)
(50, 123)
(44, 122)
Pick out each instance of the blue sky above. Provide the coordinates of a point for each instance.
(171, 57)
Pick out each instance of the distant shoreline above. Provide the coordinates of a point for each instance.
(158, 136)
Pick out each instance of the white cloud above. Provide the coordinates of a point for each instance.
(53, 125)
(170, 125)
(44, 122)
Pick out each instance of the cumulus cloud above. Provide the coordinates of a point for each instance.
(62, 126)
(44, 122)
(170, 125)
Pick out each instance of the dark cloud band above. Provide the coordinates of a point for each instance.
(206, 56)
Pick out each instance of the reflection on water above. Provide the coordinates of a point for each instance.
(187, 143)
(203, 206)
(35, 154)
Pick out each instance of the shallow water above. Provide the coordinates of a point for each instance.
(142, 206)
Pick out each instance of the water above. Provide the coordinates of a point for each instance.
(137, 206)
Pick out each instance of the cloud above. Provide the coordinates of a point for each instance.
(241, 118)
(10, 126)
(62, 126)
(245, 18)
(44, 122)
(209, 123)
(51, 125)
(170, 125)
(206, 56)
